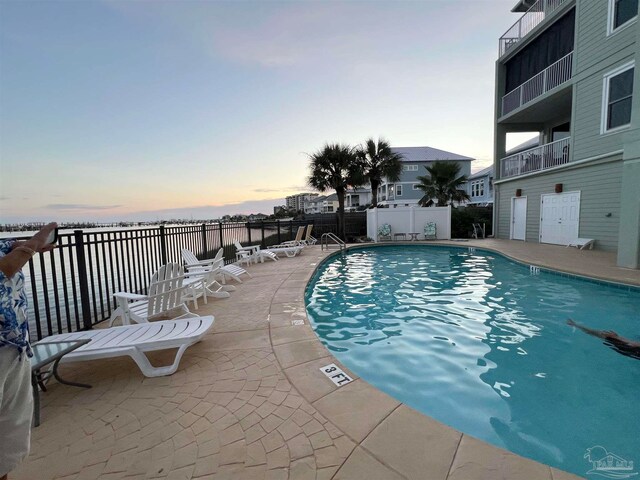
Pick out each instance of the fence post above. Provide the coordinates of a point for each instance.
(262, 243)
(163, 246)
(205, 251)
(82, 279)
(290, 229)
(279, 241)
(221, 237)
(249, 231)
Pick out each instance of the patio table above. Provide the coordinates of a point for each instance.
(398, 236)
(43, 355)
(414, 236)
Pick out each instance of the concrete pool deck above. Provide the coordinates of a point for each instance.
(249, 402)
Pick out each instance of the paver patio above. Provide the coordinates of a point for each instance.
(249, 402)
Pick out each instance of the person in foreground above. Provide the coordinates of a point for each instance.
(16, 398)
(622, 345)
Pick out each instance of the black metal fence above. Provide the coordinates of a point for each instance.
(72, 286)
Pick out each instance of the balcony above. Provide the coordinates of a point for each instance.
(536, 159)
(531, 19)
(551, 77)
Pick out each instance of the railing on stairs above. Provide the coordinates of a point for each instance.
(324, 241)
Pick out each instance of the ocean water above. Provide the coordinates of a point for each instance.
(481, 344)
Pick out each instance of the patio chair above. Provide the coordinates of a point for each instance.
(288, 250)
(298, 240)
(582, 243)
(135, 340)
(252, 253)
(166, 294)
(308, 239)
(478, 230)
(384, 232)
(216, 264)
(430, 231)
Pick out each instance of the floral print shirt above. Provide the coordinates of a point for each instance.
(14, 329)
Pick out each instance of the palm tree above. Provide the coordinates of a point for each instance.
(443, 184)
(378, 162)
(336, 167)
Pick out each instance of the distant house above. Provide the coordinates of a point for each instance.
(357, 197)
(321, 204)
(415, 160)
(479, 187)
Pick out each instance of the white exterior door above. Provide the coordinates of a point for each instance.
(560, 219)
(519, 218)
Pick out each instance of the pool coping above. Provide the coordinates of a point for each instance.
(460, 456)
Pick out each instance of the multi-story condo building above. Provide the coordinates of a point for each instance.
(567, 70)
(296, 202)
(414, 160)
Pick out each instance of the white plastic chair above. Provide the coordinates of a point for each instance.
(298, 240)
(166, 292)
(192, 264)
(135, 340)
(252, 253)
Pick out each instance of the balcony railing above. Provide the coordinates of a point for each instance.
(551, 77)
(536, 159)
(532, 17)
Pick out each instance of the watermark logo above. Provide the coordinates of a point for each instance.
(608, 464)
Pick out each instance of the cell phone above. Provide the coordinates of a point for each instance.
(53, 237)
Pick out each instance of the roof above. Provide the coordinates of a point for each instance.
(332, 198)
(532, 142)
(523, 6)
(481, 173)
(427, 154)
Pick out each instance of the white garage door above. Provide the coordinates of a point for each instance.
(560, 219)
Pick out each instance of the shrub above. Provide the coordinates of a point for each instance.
(462, 220)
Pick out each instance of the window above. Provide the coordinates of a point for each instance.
(621, 13)
(410, 168)
(477, 188)
(398, 190)
(617, 98)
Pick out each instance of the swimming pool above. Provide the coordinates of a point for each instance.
(481, 343)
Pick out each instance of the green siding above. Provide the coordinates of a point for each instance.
(599, 184)
(592, 44)
(596, 54)
(587, 140)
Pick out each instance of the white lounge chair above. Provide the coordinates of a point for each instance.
(288, 250)
(166, 294)
(298, 240)
(135, 340)
(582, 243)
(252, 253)
(193, 265)
(308, 239)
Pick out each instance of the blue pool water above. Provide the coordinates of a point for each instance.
(481, 344)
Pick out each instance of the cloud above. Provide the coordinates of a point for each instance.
(293, 188)
(203, 212)
(2, 199)
(79, 206)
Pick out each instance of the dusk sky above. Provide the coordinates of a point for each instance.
(153, 110)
